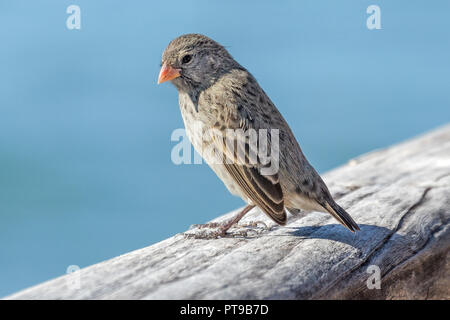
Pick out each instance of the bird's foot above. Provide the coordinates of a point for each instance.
(251, 229)
(253, 224)
(206, 225)
(221, 227)
(215, 230)
(212, 230)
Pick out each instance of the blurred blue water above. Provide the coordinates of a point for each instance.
(85, 169)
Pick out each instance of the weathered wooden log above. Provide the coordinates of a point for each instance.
(400, 196)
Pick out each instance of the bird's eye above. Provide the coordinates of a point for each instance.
(186, 59)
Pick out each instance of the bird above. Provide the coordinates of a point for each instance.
(219, 97)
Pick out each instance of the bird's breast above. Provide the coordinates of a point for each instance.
(194, 121)
(197, 125)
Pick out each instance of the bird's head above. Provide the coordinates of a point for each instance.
(194, 62)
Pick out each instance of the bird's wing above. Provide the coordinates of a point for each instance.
(241, 160)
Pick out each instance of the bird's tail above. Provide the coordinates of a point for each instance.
(341, 215)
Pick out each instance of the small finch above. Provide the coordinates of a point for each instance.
(217, 96)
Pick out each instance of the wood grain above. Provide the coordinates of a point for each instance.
(399, 196)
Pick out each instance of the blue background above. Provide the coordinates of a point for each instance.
(85, 168)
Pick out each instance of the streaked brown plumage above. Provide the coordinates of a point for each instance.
(217, 94)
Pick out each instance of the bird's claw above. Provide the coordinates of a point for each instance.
(205, 234)
(254, 224)
(220, 231)
(205, 225)
(211, 230)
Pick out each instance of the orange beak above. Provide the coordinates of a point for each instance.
(168, 73)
